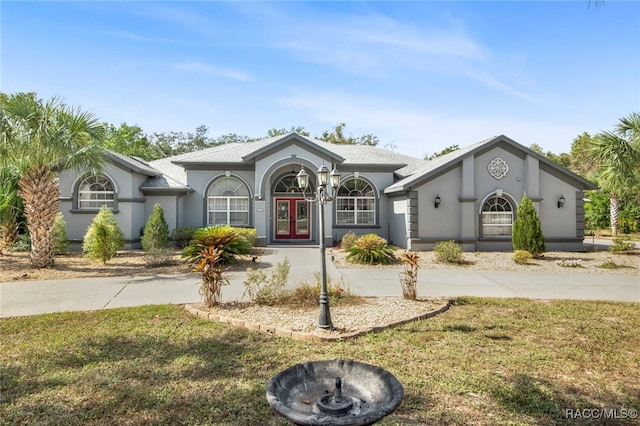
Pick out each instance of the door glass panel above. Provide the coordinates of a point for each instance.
(302, 218)
(283, 217)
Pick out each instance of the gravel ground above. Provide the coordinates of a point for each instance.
(15, 266)
(557, 262)
(373, 312)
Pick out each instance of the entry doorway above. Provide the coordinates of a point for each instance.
(292, 219)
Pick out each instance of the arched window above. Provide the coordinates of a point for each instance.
(497, 217)
(96, 191)
(228, 202)
(355, 203)
(287, 184)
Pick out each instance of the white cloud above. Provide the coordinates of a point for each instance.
(214, 71)
(419, 131)
(371, 44)
(493, 83)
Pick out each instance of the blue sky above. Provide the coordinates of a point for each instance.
(419, 75)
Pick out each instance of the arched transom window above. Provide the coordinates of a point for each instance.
(355, 203)
(95, 191)
(228, 202)
(287, 184)
(497, 217)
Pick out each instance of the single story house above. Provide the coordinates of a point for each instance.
(470, 195)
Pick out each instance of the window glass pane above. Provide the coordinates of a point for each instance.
(345, 204)
(366, 218)
(366, 204)
(239, 204)
(496, 231)
(238, 218)
(218, 203)
(219, 218)
(345, 217)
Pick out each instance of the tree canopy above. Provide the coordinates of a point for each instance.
(40, 137)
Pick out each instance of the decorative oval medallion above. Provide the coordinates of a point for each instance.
(498, 168)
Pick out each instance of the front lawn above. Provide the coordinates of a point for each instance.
(484, 361)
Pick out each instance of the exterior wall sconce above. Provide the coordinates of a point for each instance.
(436, 201)
(321, 198)
(561, 201)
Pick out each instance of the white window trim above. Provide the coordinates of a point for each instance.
(84, 204)
(228, 210)
(355, 210)
(210, 212)
(497, 226)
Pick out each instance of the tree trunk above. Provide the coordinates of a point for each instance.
(613, 199)
(38, 188)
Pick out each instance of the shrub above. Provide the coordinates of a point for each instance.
(522, 257)
(182, 236)
(103, 238)
(223, 237)
(308, 295)
(8, 230)
(448, 252)
(348, 239)
(22, 243)
(158, 257)
(208, 265)
(267, 291)
(370, 248)
(527, 233)
(409, 277)
(156, 231)
(609, 264)
(60, 243)
(620, 245)
(248, 234)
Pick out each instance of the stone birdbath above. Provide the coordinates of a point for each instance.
(334, 392)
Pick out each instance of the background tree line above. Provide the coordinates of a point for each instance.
(38, 138)
(132, 140)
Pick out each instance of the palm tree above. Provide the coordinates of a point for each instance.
(41, 138)
(617, 155)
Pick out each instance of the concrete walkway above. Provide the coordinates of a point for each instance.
(37, 297)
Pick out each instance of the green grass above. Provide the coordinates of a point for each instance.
(485, 362)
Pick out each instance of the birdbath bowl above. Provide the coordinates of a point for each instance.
(336, 392)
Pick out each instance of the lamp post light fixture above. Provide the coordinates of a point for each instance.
(321, 198)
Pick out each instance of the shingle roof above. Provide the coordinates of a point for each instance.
(133, 163)
(238, 152)
(431, 167)
(157, 179)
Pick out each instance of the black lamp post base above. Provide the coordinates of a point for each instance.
(324, 319)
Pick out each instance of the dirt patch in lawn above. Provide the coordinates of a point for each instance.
(16, 266)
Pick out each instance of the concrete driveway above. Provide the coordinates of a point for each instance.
(38, 297)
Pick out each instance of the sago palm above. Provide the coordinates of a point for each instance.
(617, 155)
(43, 137)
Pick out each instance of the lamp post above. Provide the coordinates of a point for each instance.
(321, 198)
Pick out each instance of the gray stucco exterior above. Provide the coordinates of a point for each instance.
(404, 189)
